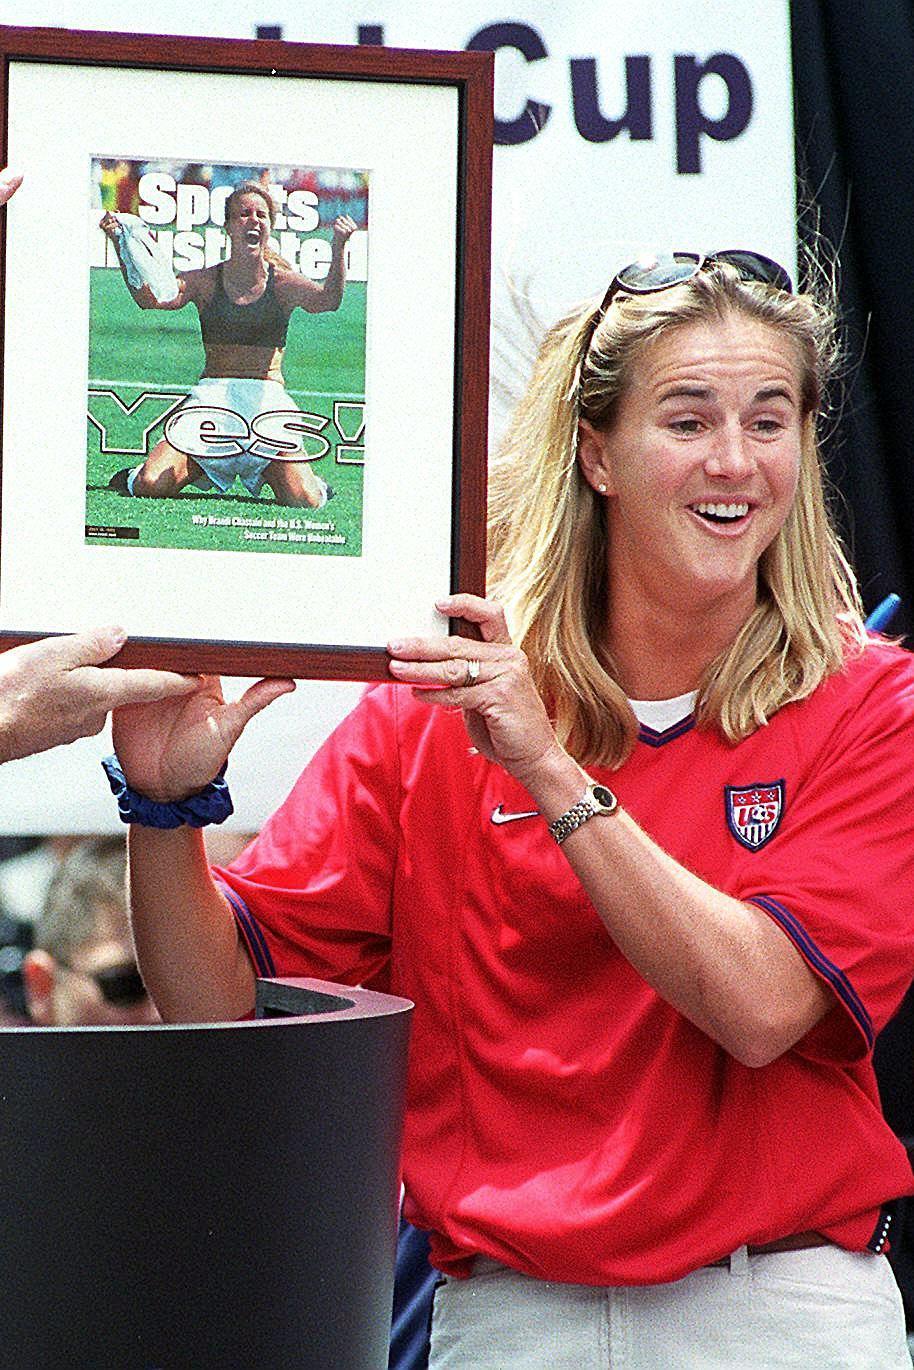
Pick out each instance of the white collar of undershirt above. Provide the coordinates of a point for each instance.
(660, 714)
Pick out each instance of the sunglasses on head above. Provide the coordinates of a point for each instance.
(663, 271)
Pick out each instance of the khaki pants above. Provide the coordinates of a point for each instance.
(817, 1309)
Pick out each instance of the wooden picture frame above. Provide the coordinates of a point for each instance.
(183, 116)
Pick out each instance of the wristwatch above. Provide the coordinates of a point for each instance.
(596, 799)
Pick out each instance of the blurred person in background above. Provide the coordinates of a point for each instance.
(26, 866)
(82, 968)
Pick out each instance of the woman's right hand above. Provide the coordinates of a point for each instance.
(109, 225)
(174, 747)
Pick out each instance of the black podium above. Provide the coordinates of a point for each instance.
(193, 1197)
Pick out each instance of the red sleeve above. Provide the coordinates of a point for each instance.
(839, 876)
(312, 893)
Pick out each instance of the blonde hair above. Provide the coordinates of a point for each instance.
(86, 897)
(548, 533)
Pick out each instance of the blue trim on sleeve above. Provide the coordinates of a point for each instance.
(250, 930)
(819, 962)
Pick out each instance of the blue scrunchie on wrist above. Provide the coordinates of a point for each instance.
(213, 804)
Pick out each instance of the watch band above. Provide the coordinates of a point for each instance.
(596, 801)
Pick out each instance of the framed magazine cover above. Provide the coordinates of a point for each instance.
(245, 346)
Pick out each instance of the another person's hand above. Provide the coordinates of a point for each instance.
(344, 227)
(504, 714)
(57, 690)
(10, 181)
(171, 749)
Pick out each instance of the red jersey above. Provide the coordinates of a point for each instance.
(562, 1117)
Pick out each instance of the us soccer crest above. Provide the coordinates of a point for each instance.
(754, 812)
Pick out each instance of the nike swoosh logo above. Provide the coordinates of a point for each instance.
(499, 815)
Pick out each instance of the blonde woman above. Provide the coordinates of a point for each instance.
(642, 856)
(244, 305)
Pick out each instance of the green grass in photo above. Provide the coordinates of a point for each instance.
(158, 355)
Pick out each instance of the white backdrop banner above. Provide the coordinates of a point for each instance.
(619, 128)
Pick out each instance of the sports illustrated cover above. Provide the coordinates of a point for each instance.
(226, 397)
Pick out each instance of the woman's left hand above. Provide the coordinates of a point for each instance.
(343, 228)
(504, 714)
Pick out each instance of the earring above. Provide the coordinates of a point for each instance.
(602, 489)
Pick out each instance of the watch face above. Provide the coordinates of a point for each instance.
(604, 797)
